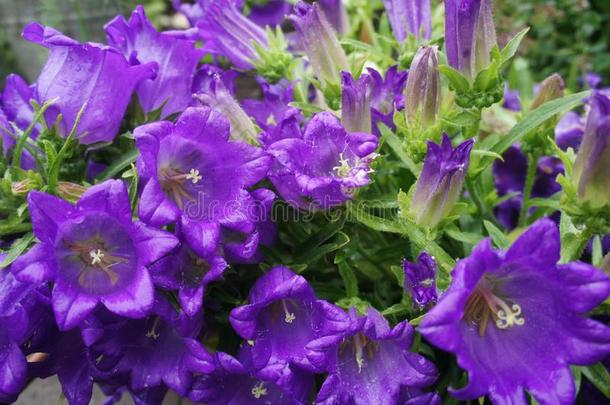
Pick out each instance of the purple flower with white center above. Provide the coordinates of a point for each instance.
(272, 109)
(220, 99)
(369, 362)
(423, 88)
(177, 58)
(93, 252)
(335, 12)
(591, 175)
(320, 42)
(569, 131)
(282, 316)
(517, 319)
(288, 127)
(509, 177)
(470, 34)
(184, 168)
(420, 280)
(238, 382)
(227, 32)
(77, 74)
(440, 183)
(511, 99)
(189, 274)
(409, 17)
(356, 103)
(323, 167)
(386, 96)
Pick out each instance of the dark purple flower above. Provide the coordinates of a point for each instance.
(77, 74)
(420, 280)
(592, 80)
(93, 252)
(356, 103)
(470, 34)
(409, 17)
(386, 96)
(238, 382)
(282, 316)
(319, 40)
(569, 131)
(517, 319)
(185, 168)
(423, 88)
(335, 12)
(205, 76)
(177, 58)
(193, 12)
(227, 32)
(591, 175)
(440, 183)
(511, 99)
(322, 167)
(369, 362)
(272, 109)
(271, 12)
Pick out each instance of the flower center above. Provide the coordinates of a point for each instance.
(95, 255)
(343, 169)
(484, 304)
(173, 181)
(259, 390)
(363, 349)
(152, 333)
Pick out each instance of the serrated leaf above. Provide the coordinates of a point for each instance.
(456, 79)
(498, 237)
(17, 248)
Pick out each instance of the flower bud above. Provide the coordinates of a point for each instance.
(22, 187)
(319, 40)
(336, 14)
(409, 17)
(470, 34)
(70, 191)
(423, 89)
(591, 173)
(551, 88)
(356, 103)
(440, 183)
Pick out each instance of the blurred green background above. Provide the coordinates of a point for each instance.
(567, 36)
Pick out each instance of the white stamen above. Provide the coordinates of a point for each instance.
(96, 256)
(289, 316)
(194, 176)
(259, 390)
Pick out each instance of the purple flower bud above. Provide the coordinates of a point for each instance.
(77, 74)
(319, 40)
(592, 167)
(440, 183)
(356, 103)
(409, 17)
(336, 14)
(420, 280)
(469, 34)
(550, 89)
(423, 90)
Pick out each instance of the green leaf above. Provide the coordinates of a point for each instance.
(599, 376)
(465, 237)
(511, 48)
(349, 279)
(597, 254)
(310, 244)
(118, 165)
(456, 79)
(499, 238)
(307, 108)
(397, 147)
(399, 273)
(17, 248)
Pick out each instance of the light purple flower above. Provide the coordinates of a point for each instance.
(177, 58)
(356, 103)
(420, 280)
(322, 167)
(369, 362)
(423, 88)
(77, 74)
(440, 183)
(93, 252)
(409, 17)
(185, 168)
(335, 12)
(517, 319)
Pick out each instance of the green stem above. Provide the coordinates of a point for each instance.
(475, 194)
(532, 165)
(24, 137)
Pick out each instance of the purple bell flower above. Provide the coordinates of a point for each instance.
(420, 280)
(386, 96)
(89, 73)
(517, 319)
(569, 131)
(409, 17)
(440, 183)
(423, 88)
(177, 58)
(184, 168)
(206, 75)
(273, 108)
(93, 252)
(335, 12)
(322, 167)
(193, 12)
(591, 169)
(282, 316)
(356, 103)
(470, 34)
(271, 12)
(369, 362)
(511, 99)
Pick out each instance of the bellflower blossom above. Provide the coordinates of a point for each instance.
(177, 58)
(271, 12)
(185, 168)
(386, 96)
(77, 74)
(93, 252)
(335, 12)
(569, 131)
(323, 166)
(273, 108)
(282, 316)
(591, 174)
(356, 103)
(517, 319)
(369, 362)
(511, 99)
(409, 17)
(440, 183)
(206, 75)
(420, 280)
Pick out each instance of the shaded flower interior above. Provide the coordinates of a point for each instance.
(358, 348)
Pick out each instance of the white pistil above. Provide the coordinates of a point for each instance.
(343, 168)
(96, 256)
(152, 333)
(259, 390)
(507, 317)
(359, 345)
(194, 176)
(289, 316)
